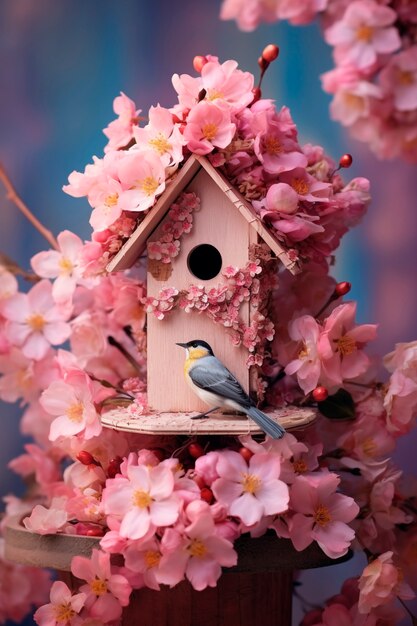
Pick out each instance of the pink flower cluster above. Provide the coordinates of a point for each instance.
(374, 82)
(179, 222)
(294, 189)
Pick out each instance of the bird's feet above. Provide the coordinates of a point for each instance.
(202, 416)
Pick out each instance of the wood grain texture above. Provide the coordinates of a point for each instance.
(172, 423)
(216, 223)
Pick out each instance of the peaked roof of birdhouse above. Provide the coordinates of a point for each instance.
(136, 243)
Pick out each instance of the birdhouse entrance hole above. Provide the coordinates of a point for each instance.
(204, 261)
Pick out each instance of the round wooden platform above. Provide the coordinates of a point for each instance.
(290, 418)
(267, 553)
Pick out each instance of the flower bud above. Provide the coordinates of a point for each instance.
(270, 52)
(320, 394)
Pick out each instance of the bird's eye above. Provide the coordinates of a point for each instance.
(195, 344)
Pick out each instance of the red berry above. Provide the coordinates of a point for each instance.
(246, 453)
(199, 62)
(270, 52)
(342, 289)
(114, 467)
(195, 450)
(86, 458)
(207, 495)
(199, 480)
(345, 160)
(257, 94)
(320, 394)
(95, 532)
(263, 64)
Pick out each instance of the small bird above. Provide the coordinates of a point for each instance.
(216, 386)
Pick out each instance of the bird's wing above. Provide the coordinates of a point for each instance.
(213, 376)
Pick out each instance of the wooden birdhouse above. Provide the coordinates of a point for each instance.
(224, 229)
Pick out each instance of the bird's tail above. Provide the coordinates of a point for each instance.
(264, 422)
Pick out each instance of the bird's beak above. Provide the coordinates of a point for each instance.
(182, 345)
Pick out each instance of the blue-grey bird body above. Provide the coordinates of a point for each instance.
(216, 386)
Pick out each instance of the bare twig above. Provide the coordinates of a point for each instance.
(12, 267)
(14, 197)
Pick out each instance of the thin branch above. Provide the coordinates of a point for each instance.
(12, 267)
(14, 197)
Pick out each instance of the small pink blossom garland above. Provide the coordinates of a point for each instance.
(374, 82)
(294, 189)
(179, 222)
(223, 303)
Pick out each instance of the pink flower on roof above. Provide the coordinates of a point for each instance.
(105, 592)
(143, 500)
(282, 198)
(380, 583)
(307, 365)
(120, 131)
(250, 491)
(142, 174)
(307, 187)
(399, 78)
(226, 85)
(277, 151)
(35, 322)
(196, 551)
(72, 402)
(62, 264)
(162, 136)
(64, 608)
(321, 514)
(341, 344)
(105, 197)
(365, 31)
(208, 126)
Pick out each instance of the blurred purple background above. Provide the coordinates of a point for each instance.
(61, 65)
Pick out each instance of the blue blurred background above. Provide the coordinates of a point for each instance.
(61, 65)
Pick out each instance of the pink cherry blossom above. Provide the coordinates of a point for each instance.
(144, 557)
(62, 264)
(253, 491)
(341, 344)
(8, 285)
(161, 135)
(380, 582)
(321, 514)
(64, 607)
(197, 552)
(307, 365)
(249, 13)
(399, 78)
(208, 126)
(106, 592)
(364, 32)
(401, 398)
(142, 175)
(46, 521)
(226, 85)
(142, 500)
(72, 401)
(282, 198)
(35, 322)
(120, 131)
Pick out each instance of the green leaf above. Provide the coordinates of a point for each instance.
(339, 406)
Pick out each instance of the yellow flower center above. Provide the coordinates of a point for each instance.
(406, 78)
(209, 131)
(304, 352)
(75, 412)
(65, 265)
(213, 94)
(353, 101)
(197, 548)
(346, 345)
(98, 586)
(111, 199)
(141, 499)
(322, 515)
(250, 483)
(300, 466)
(36, 321)
(369, 447)
(160, 144)
(365, 33)
(149, 185)
(152, 558)
(272, 145)
(64, 612)
(300, 186)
